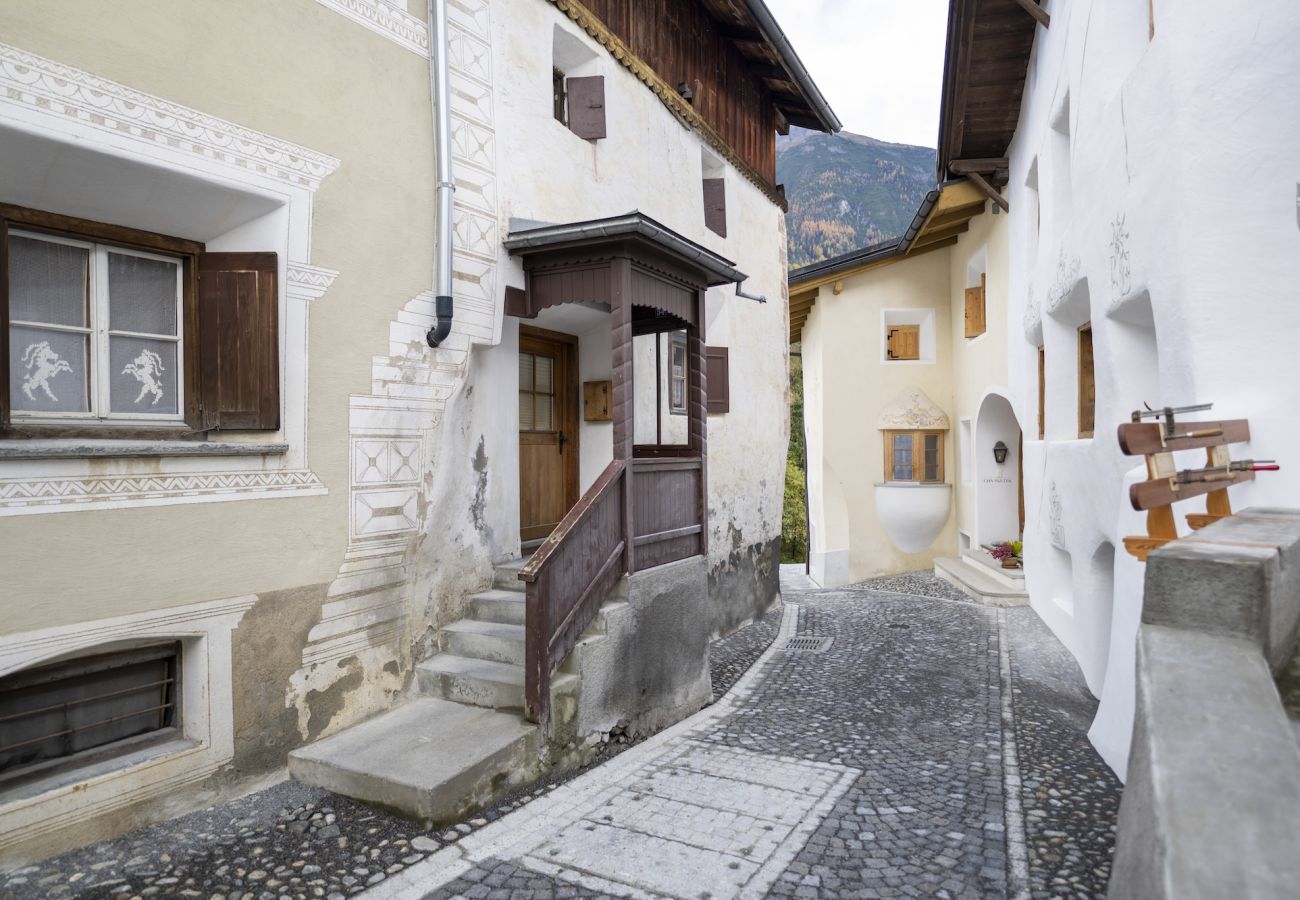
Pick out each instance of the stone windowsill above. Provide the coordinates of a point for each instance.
(914, 484)
(88, 449)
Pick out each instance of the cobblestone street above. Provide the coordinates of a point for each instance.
(921, 746)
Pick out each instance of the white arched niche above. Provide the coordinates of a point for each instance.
(997, 485)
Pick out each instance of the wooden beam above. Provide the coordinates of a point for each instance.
(983, 166)
(987, 188)
(1036, 11)
(939, 234)
(957, 214)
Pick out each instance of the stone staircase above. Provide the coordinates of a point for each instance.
(463, 738)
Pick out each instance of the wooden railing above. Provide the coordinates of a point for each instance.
(568, 578)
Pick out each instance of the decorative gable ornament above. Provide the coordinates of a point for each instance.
(912, 410)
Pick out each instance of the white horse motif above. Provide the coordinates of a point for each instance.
(42, 364)
(146, 368)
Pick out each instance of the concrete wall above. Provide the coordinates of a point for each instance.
(1213, 751)
(848, 384)
(1181, 254)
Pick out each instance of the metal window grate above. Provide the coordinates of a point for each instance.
(808, 644)
(60, 710)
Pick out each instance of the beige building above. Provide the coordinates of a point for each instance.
(904, 347)
(289, 393)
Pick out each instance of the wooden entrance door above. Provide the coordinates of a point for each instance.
(548, 430)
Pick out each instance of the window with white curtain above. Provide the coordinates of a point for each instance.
(94, 331)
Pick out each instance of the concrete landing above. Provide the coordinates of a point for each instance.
(429, 759)
(979, 584)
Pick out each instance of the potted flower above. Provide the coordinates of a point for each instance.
(1008, 553)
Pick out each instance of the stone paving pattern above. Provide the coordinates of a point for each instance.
(907, 699)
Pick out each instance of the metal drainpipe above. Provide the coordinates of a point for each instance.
(442, 147)
(740, 292)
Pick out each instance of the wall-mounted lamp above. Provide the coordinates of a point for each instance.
(999, 453)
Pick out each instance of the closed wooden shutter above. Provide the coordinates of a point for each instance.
(975, 310)
(587, 106)
(717, 375)
(904, 342)
(1087, 384)
(715, 205)
(239, 341)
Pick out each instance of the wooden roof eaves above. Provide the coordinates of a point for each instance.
(1005, 37)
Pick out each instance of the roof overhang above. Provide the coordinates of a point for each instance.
(988, 48)
(759, 37)
(944, 214)
(634, 226)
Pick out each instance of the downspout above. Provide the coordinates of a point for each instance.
(442, 148)
(740, 292)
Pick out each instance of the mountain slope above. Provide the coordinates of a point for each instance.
(848, 191)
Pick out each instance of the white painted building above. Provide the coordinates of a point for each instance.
(288, 515)
(1148, 156)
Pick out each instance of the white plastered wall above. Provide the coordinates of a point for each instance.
(1166, 175)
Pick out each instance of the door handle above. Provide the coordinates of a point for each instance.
(563, 439)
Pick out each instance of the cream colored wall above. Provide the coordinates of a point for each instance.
(303, 73)
(979, 365)
(841, 346)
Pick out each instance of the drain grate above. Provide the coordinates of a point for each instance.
(809, 644)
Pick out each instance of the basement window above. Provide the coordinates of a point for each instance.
(87, 710)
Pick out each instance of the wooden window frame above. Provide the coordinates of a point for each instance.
(559, 97)
(976, 309)
(188, 424)
(1042, 392)
(1087, 383)
(918, 453)
(677, 342)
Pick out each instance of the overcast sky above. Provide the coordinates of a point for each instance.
(878, 62)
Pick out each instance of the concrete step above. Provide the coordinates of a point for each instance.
(428, 759)
(479, 682)
(972, 580)
(507, 575)
(984, 561)
(475, 682)
(507, 607)
(493, 641)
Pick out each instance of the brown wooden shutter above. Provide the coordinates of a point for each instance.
(975, 325)
(717, 379)
(587, 106)
(904, 342)
(715, 205)
(239, 341)
(1087, 383)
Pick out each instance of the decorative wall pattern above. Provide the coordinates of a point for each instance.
(392, 428)
(910, 410)
(383, 18)
(33, 81)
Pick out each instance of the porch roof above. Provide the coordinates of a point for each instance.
(635, 226)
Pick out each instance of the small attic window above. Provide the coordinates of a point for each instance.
(908, 336)
(577, 90)
(715, 193)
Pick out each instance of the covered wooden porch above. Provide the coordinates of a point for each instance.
(649, 506)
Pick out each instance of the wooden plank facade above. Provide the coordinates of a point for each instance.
(685, 45)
